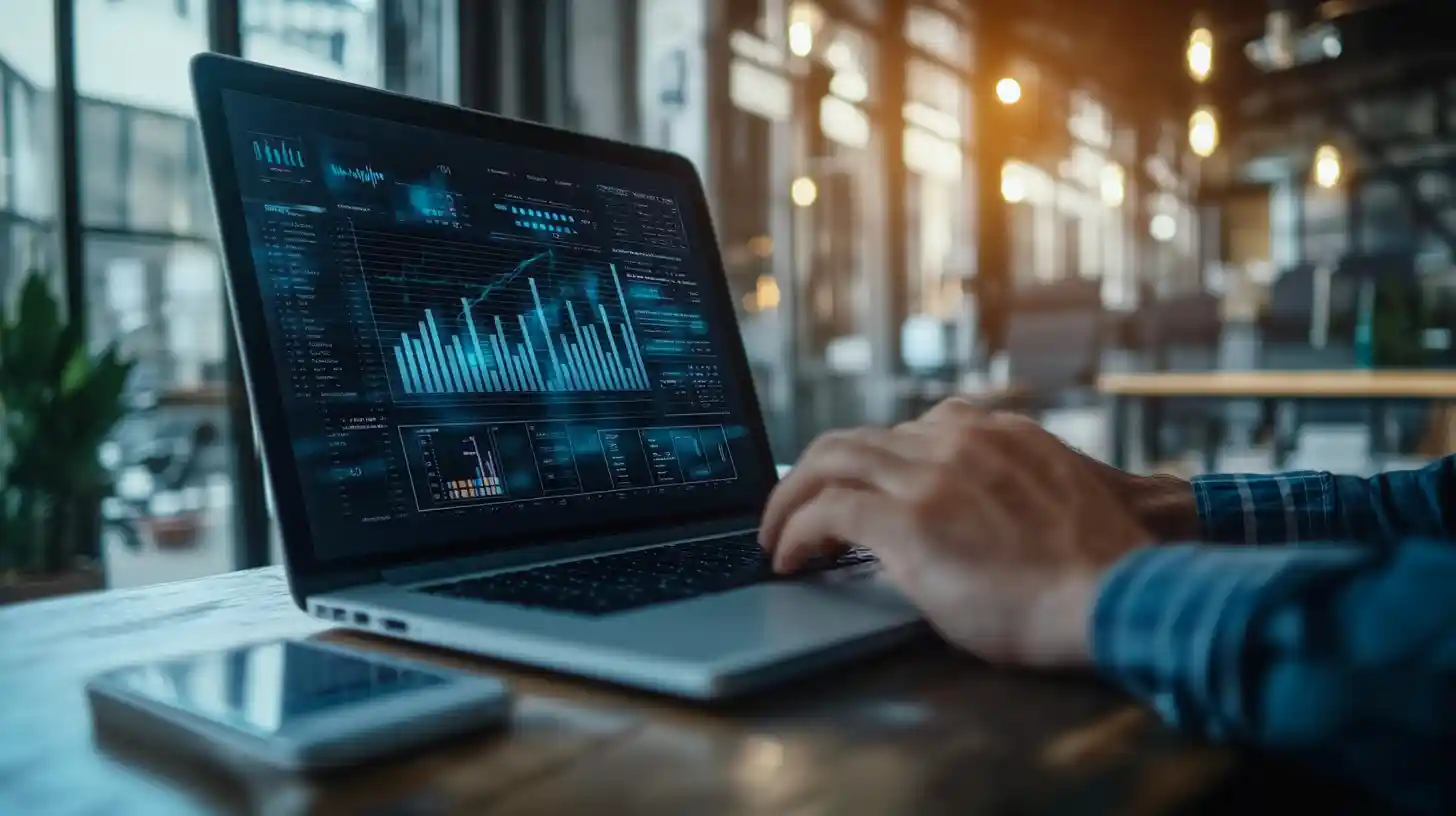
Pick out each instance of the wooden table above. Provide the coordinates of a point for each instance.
(922, 730)
(1376, 388)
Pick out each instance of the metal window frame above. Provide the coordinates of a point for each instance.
(72, 241)
(251, 524)
(7, 138)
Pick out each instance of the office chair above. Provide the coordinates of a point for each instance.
(1182, 333)
(1054, 344)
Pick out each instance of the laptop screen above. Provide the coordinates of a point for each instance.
(479, 341)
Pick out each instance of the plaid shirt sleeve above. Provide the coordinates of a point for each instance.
(1289, 508)
(1341, 654)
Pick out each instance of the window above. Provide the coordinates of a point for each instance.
(150, 278)
(331, 39)
(935, 33)
(32, 138)
(6, 162)
(158, 166)
(153, 285)
(27, 140)
(849, 53)
(936, 112)
(103, 168)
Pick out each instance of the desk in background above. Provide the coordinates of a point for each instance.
(1132, 393)
(921, 730)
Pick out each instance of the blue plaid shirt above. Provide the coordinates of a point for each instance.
(1337, 644)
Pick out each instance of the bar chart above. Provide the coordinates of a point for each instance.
(456, 351)
(487, 361)
(459, 467)
(277, 152)
(279, 158)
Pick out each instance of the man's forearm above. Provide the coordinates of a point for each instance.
(1342, 654)
(1314, 506)
(1417, 503)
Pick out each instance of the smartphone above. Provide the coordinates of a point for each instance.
(293, 705)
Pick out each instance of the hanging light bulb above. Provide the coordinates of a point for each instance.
(1008, 90)
(804, 192)
(804, 20)
(1327, 166)
(1113, 186)
(1013, 184)
(1203, 132)
(1200, 54)
(1163, 228)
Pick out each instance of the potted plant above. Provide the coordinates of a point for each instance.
(58, 403)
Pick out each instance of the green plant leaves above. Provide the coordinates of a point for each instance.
(36, 332)
(59, 404)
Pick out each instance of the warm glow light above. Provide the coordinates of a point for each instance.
(850, 86)
(766, 292)
(1326, 166)
(1112, 188)
(1203, 132)
(804, 191)
(1008, 91)
(1013, 184)
(1163, 227)
(803, 21)
(801, 38)
(1200, 54)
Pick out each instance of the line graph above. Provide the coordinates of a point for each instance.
(463, 320)
(364, 175)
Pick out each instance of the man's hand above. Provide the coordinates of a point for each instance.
(993, 527)
(1163, 504)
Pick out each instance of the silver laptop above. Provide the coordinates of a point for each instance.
(502, 395)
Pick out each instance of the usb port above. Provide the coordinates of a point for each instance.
(361, 618)
(338, 614)
(392, 625)
(321, 611)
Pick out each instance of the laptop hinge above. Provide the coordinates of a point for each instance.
(523, 556)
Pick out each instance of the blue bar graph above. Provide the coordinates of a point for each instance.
(278, 153)
(594, 356)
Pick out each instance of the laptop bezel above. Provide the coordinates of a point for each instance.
(214, 74)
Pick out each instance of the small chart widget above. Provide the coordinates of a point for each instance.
(543, 220)
(642, 221)
(279, 158)
(430, 203)
(458, 466)
(365, 174)
(650, 457)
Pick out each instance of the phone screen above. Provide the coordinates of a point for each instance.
(265, 687)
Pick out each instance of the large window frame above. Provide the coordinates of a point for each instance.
(79, 220)
(24, 229)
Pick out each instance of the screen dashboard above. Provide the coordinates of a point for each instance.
(477, 341)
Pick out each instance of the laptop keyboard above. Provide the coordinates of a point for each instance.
(622, 581)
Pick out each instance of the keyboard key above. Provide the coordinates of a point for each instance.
(622, 581)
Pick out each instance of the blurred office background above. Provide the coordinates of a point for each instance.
(914, 198)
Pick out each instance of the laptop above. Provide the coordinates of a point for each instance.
(503, 401)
